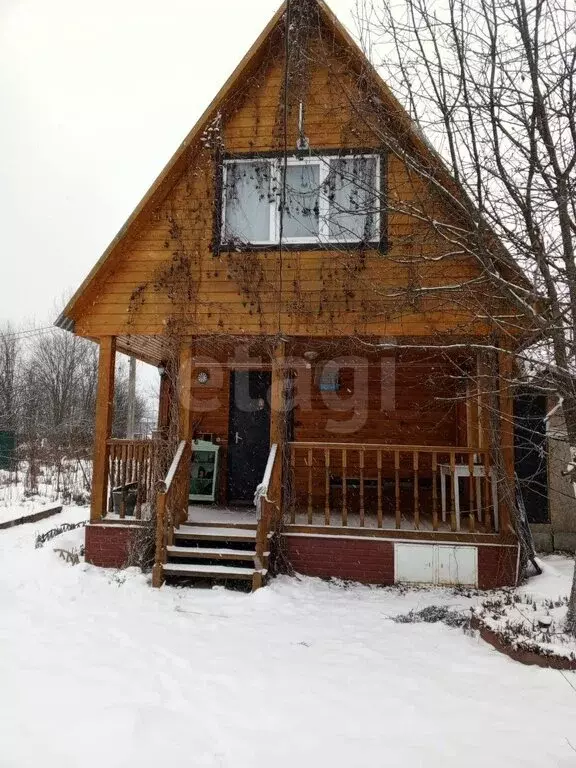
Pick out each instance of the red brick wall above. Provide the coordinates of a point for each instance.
(497, 567)
(108, 545)
(371, 561)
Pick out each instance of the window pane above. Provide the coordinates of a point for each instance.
(352, 195)
(302, 198)
(247, 213)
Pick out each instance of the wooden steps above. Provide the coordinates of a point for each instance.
(222, 524)
(208, 571)
(207, 551)
(216, 553)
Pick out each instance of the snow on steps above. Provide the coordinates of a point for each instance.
(210, 571)
(207, 553)
(205, 533)
(215, 552)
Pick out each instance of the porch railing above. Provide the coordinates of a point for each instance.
(171, 501)
(378, 485)
(268, 506)
(132, 466)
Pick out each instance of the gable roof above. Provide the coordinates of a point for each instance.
(168, 176)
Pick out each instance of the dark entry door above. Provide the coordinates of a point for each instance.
(249, 432)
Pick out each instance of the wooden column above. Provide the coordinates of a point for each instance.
(164, 404)
(278, 418)
(484, 385)
(277, 397)
(185, 427)
(507, 490)
(103, 426)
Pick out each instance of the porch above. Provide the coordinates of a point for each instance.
(307, 444)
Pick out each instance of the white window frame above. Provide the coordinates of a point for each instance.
(276, 166)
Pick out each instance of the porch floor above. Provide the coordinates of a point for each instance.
(213, 513)
(231, 515)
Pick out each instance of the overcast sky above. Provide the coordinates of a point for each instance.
(95, 98)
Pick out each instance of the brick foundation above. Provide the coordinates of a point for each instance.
(497, 567)
(371, 561)
(107, 545)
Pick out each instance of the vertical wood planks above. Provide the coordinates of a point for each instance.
(397, 487)
(452, 494)
(361, 467)
(344, 489)
(327, 486)
(434, 491)
(124, 460)
(379, 469)
(293, 481)
(310, 486)
(471, 488)
(488, 510)
(415, 458)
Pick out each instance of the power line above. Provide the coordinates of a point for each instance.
(27, 333)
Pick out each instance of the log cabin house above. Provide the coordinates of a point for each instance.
(303, 275)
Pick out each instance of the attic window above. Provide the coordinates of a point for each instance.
(329, 199)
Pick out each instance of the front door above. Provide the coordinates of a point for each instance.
(249, 433)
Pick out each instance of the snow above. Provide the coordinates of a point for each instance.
(98, 669)
(535, 618)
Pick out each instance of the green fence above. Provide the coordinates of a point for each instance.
(7, 450)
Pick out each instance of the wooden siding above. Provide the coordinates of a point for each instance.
(418, 402)
(169, 271)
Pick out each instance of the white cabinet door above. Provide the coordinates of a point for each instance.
(414, 563)
(457, 565)
(435, 564)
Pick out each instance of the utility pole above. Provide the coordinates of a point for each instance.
(131, 418)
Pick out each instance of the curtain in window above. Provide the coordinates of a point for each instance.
(247, 195)
(352, 195)
(302, 200)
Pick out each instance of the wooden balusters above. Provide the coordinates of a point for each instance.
(326, 486)
(434, 491)
(160, 554)
(471, 496)
(364, 473)
(293, 476)
(171, 502)
(488, 495)
(416, 491)
(310, 486)
(454, 490)
(361, 472)
(397, 487)
(131, 463)
(344, 489)
(379, 491)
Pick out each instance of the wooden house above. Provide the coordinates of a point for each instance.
(310, 282)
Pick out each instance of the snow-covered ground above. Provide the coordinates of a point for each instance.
(98, 669)
(17, 501)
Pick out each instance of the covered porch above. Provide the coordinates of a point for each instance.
(310, 443)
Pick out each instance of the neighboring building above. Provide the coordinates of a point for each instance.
(542, 459)
(292, 274)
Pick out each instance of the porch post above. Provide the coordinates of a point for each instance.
(278, 418)
(164, 404)
(506, 414)
(102, 426)
(277, 397)
(185, 427)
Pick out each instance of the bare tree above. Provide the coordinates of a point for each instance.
(10, 359)
(492, 84)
